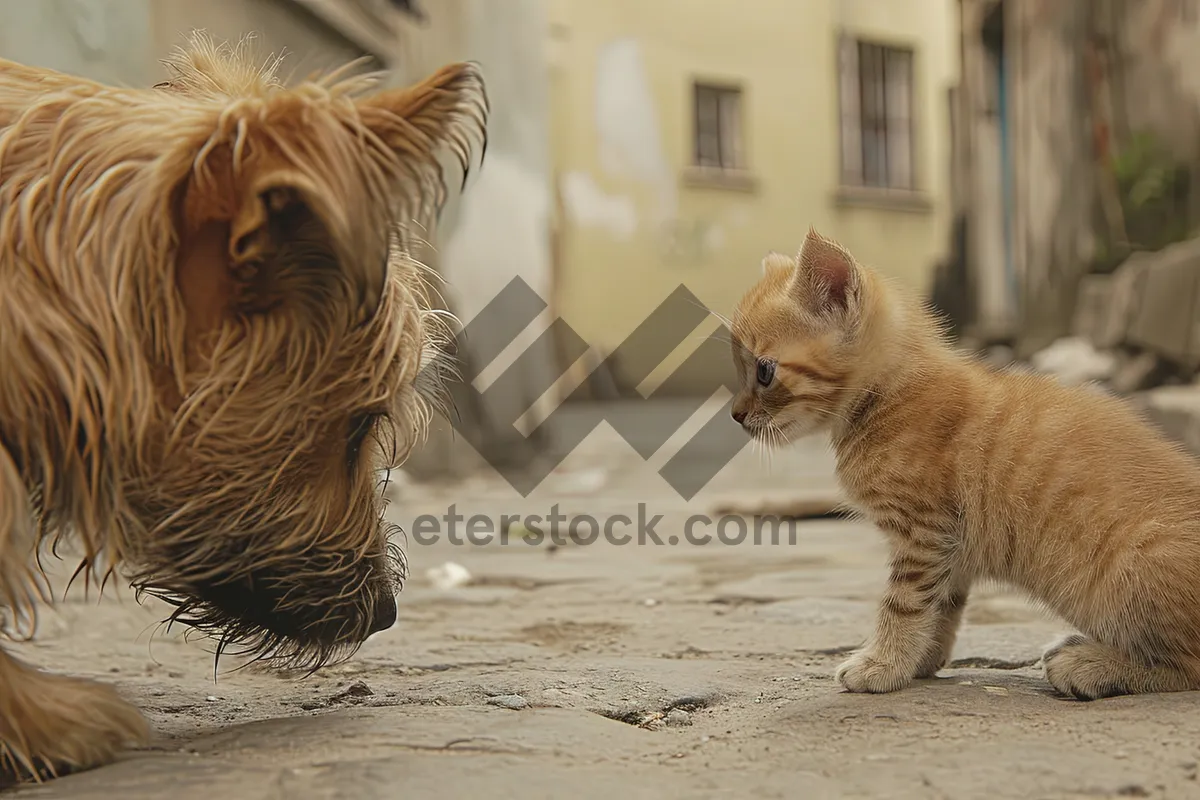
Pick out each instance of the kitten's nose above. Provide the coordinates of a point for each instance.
(738, 416)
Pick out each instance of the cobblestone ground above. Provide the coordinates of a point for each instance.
(605, 670)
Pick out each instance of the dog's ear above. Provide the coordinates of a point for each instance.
(283, 207)
(259, 231)
(447, 111)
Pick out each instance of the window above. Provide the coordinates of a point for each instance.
(718, 132)
(876, 95)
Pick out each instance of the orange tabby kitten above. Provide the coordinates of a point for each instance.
(975, 475)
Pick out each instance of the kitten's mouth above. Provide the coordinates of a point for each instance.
(778, 434)
(766, 434)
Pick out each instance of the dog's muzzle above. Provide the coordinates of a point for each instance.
(385, 614)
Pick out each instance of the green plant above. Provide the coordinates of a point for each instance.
(1153, 189)
(1144, 170)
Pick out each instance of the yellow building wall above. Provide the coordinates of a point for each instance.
(633, 228)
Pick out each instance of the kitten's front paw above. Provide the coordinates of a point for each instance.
(865, 672)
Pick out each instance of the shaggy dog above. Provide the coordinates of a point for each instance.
(211, 340)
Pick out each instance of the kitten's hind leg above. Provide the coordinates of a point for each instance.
(1086, 669)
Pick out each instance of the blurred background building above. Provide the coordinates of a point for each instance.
(633, 146)
(691, 138)
(1027, 164)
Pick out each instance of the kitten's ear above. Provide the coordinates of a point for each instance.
(777, 262)
(827, 278)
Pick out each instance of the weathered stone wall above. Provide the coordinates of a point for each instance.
(1085, 79)
(977, 176)
(500, 229)
(1054, 173)
(1148, 304)
(1153, 51)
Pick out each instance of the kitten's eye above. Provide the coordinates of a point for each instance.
(766, 372)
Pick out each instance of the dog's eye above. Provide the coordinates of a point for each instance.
(359, 428)
(766, 372)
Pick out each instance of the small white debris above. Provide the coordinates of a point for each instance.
(510, 701)
(678, 717)
(518, 532)
(584, 482)
(1074, 361)
(650, 602)
(210, 699)
(448, 576)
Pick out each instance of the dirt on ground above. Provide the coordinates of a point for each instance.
(539, 669)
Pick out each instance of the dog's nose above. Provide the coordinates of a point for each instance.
(738, 416)
(385, 614)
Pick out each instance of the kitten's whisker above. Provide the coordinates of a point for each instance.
(763, 453)
(714, 336)
(724, 319)
(772, 439)
(831, 413)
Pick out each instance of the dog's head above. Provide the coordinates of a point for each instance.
(247, 239)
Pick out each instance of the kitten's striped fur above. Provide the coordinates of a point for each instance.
(975, 474)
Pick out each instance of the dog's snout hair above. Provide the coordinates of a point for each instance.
(214, 340)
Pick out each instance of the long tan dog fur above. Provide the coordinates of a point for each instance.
(213, 340)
